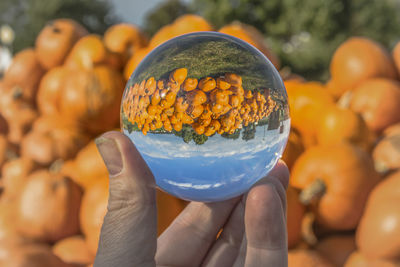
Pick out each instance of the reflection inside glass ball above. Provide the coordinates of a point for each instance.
(209, 115)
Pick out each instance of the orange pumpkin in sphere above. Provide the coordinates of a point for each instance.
(48, 207)
(378, 102)
(55, 41)
(358, 59)
(322, 173)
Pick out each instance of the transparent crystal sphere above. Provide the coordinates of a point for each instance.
(209, 115)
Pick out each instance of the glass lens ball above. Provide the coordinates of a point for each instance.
(209, 114)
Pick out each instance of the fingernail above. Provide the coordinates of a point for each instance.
(110, 153)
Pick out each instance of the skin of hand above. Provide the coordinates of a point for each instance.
(254, 225)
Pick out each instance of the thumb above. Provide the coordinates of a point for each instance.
(129, 232)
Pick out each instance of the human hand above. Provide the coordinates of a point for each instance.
(254, 225)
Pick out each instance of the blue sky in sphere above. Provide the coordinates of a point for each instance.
(134, 11)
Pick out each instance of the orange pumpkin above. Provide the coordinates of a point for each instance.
(251, 35)
(338, 125)
(307, 258)
(386, 154)
(357, 259)
(8, 230)
(392, 130)
(294, 215)
(307, 101)
(379, 229)
(49, 93)
(93, 98)
(134, 61)
(73, 250)
(396, 57)
(15, 173)
(378, 101)
(184, 24)
(87, 53)
(358, 59)
(55, 41)
(48, 207)
(92, 212)
(52, 138)
(124, 39)
(336, 248)
(323, 173)
(293, 149)
(29, 254)
(24, 74)
(87, 167)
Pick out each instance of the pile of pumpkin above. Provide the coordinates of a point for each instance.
(208, 105)
(56, 97)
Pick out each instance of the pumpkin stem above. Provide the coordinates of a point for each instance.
(314, 190)
(344, 100)
(56, 166)
(307, 229)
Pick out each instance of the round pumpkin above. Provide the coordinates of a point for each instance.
(73, 250)
(87, 167)
(294, 214)
(134, 61)
(184, 24)
(8, 230)
(338, 125)
(378, 101)
(20, 120)
(48, 207)
(251, 35)
(87, 53)
(336, 248)
(357, 259)
(92, 212)
(52, 138)
(392, 130)
(386, 154)
(307, 101)
(55, 41)
(29, 254)
(307, 258)
(24, 74)
(335, 180)
(49, 93)
(379, 229)
(358, 59)
(124, 39)
(294, 148)
(92, 98)
(15, 173)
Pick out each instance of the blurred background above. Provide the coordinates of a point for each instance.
(64, 65)
(303, 33)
